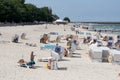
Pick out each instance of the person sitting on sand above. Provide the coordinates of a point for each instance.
(58, 49)
(94, 41)
(44, 39)
(98, 35)
(87, 39)
(118, 38)
(105, 38)
(70, 51)
(58, 38)
(110, 42)
(65, 52)
(32, 62)
(117, 44)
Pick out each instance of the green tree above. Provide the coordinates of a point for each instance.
(66, 19)
(17, 11)
(22, 1)
(55, 17)
(46, 14)
(11, 10)
(31, 12)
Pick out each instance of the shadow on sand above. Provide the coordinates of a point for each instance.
(62, 68)
(64, 60)
(76, 56)
(36, 67)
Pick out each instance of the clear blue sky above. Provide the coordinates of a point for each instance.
(83, 10)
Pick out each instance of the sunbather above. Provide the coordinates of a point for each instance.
(110, 42)
(117, 44)
(22, 63)
(32, 62)
(65, 53)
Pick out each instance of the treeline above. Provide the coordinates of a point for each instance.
(18, 12)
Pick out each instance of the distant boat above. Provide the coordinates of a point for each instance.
(59, 21)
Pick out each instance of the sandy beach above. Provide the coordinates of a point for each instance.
(78, 67)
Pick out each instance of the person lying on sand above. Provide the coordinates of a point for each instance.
(23, 63)
(31, 44)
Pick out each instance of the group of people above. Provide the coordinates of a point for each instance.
(110, 42)
(56, 55)
(108, 39)
(118, 41)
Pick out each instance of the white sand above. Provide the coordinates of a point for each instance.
(79, 67)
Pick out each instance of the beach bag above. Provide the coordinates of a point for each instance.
(47, 66)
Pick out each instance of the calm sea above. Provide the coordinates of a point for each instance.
(109, 27)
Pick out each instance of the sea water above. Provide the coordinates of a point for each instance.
(109, 27)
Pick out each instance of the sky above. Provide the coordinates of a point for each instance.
(83, 10)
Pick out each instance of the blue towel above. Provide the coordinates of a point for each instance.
(48, 47)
